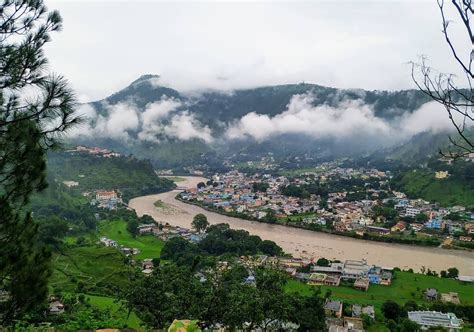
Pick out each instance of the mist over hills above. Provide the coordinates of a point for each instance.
(174, 128)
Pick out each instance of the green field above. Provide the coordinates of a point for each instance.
(406, 286)
(159, 204)
(149, 245)
(93, 267)
(104, 303)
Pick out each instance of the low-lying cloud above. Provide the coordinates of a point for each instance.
(171, 118)
(347, 119)
(164, 119)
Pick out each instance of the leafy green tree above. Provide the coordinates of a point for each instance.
(269, 248)
(391, 310)
(322, 262)
(259, 187)
(409, 326)
(169, 293)
(270, 217)
(453, 272)
(52, 230)
(200, 222)
(421, 217)
(28, 128)
(309, 311)
(201, 185)
(132, 226)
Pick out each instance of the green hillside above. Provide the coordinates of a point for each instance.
(449, 191)
(131, 176)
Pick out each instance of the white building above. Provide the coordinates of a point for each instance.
(427, 319)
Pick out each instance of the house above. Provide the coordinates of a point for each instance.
(358, 310)
(411, 211)
(250, 280)
(431, 294)
(353, 324)
(427, 319)
(333, 308)
(147, 272)
(454, 227)
(332, 280)
(386, 277)
(317, 278)
(434, 223)
(450, 297)
(375, 275)
(102, 195)
(71, 184)
(354, 270)
(399, 227)
(369, 310)
(362, 284)
(378, 230)
(466, 279)
(56, 307)
(147, 263)
(304, 277)
(441, 174)
(333, 269)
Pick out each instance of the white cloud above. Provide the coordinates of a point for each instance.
(161, 119)
(431, 116)
(351, 44)
(184, 126)
(349, 118)
(120, 119)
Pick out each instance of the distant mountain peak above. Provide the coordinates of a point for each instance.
(145, 78)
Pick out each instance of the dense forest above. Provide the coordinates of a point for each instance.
(131, 176)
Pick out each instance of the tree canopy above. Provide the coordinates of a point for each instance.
(29, 126)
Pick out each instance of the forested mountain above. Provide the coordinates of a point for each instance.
(175, 129)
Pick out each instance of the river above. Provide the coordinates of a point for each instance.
(306, 243)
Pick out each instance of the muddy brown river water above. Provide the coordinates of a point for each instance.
(305, 243)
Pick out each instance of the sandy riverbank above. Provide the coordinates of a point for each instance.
(302, 242)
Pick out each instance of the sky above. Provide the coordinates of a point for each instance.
(105, 45)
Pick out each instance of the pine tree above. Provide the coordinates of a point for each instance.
(35, 109)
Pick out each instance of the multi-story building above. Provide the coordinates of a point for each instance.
(427, 319)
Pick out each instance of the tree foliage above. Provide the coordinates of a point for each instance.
(222, 297)
(200, 222)
(29, 126)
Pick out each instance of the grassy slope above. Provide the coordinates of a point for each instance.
(91, 265)
(149, 245)
(103, 302)
(400, 291)
(445, 191)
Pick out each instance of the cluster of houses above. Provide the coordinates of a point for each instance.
(105, 199)
(96, 151)
(114, 244)
(234, 192)
(335, 321)
(166, 232)
(356, 272)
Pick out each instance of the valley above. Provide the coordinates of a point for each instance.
(305, 243)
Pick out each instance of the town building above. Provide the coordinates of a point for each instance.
(354, 269)
(427, 319)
